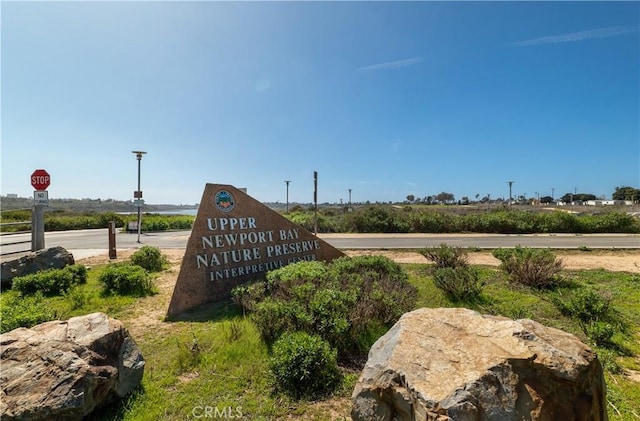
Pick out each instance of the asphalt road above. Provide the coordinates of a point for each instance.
(84, 243)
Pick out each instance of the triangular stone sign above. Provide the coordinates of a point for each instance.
(234, 239)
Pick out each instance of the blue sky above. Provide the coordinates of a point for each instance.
(384, 98)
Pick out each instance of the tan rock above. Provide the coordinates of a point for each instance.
(456, 364)
(63, 370)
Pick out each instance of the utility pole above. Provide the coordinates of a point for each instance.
(510, 184)
(287, 181)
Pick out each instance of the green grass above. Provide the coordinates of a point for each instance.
(215, 360)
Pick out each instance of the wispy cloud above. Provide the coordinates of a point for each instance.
(389, 65)
(578, 36)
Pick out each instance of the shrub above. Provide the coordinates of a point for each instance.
(17, 311)
(381, 291)
(429, 221)
(377, 293)
(592, 310)
(446, 256)
(155, 222)
(52, 281)
(329, 308)
(304, 365)
(536, 268)
(149, 258)
(77, 297)
(609, 222)
(461, 283)
(273, 317)
(57, 222)
(307, 220)
(126, 279)
(377, 219)
(279, 282)
(343, 302)
(601, 333)
(371, 267)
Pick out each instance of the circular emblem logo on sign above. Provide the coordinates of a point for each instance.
(224, 201)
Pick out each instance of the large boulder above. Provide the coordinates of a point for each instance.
(50, 258)
(459, 365)
(63, 370)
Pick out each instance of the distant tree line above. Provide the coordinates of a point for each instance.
(626, 193)
(444, 198)
(88, 205)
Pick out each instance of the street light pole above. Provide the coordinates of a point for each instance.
(315, 200)
(138, 193)
(287, 181)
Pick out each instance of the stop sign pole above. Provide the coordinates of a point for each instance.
(40, 180)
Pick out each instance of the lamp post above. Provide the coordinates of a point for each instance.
(287, 181)
(138, 193)
(315, 201)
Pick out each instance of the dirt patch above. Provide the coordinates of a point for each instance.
(615, 261)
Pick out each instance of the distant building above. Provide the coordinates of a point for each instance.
(11, 196)
(608, 202)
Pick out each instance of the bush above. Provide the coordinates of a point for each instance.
(78, 297)
(381, 294)
(329, 308)
(446, 256)
(126, 279)
(344, 301)
(371, 267)
(29, 311)
(307, 220)
(461, 283)
(536, 268)
(86, 220)
(155, 222)
(376, 219)
(435, 222)
(304, 365)
(274, 317)
(150, 258)
(52, 281)
(600, 333)
(280, 282)
(592, 310)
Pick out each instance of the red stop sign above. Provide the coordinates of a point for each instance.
(40, 179)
